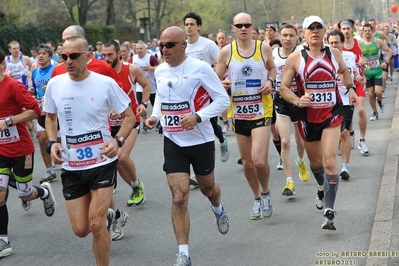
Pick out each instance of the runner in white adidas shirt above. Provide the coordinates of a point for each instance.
(81, 100)
(182, 104)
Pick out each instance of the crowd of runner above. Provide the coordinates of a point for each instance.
(258, 82)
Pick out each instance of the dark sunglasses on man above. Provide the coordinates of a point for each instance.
(73, 56)
(168, 45)
(246, 25)
(317, 27)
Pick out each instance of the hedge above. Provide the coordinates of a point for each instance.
(27, 36)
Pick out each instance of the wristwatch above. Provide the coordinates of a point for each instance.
(48, 146)
(8, 121)
(272, 81)
(143, 103)
(199, 120)
(120, 140)
(350, 86)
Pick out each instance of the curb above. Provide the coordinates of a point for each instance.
(383, 221)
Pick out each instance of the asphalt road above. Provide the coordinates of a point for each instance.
(291, 237)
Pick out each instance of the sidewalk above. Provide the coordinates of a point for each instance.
(385, 233)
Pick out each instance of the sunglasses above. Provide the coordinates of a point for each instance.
(168, 45)
(246, 25)
(73, 56)
(317, 27)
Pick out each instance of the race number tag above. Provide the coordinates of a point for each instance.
(323, 94)
(84, 150)
(115, 122)
(373, 61)
(9, 135)
(247, 107)
(171, 113)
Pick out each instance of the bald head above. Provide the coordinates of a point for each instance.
(78, 43)
(242, 16)
(73, 31)
(173, 45)
(174, 32)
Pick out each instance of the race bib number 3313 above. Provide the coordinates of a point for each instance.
(323, 94)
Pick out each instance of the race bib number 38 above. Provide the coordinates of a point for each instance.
(323, 94)
(84, 150)
(171, 113)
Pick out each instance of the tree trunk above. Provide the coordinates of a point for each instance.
(82, 12)
(110, 13)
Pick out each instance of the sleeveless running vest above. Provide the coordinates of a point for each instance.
(357, 51)
(317, 77)
(371, 54)
(142, 63)
(280, 63)
(129, 88)
(247, 74)
(18, 70)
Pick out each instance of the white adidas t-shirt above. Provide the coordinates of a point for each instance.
(187, 89)
(83, 109)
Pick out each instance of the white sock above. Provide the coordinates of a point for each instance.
(299, 160)
(184, 248)
(5, 238)
(289, 179)
(218, 210)
(135, 183)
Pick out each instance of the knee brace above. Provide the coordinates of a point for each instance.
(3, 202)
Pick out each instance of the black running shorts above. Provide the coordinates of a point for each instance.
(76, 184)
(178, 159)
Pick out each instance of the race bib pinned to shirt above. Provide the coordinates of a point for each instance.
(247, 107)
(9, 135)
(84, 150)
(171, 113)
(323, 93)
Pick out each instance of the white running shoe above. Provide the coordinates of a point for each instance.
(364, 149)
(280, 165)
(345, 172)
(224, 150)
(116, 229)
